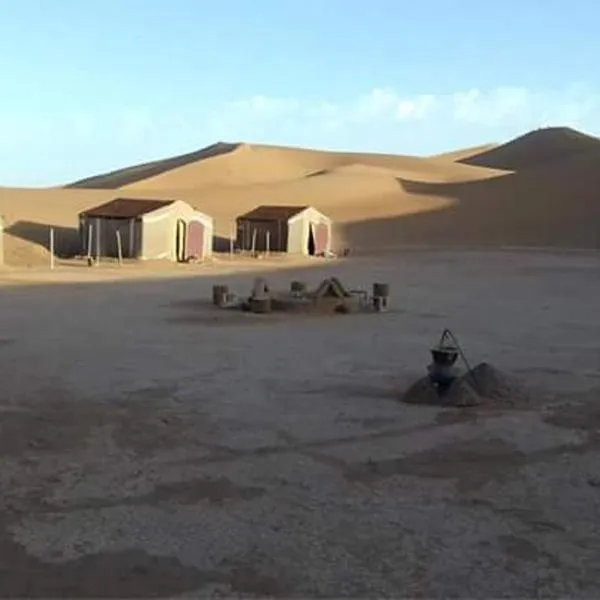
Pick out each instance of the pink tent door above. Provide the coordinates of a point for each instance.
(195, 240)
(321, 233)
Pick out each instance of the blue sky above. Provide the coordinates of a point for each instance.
(92, 85)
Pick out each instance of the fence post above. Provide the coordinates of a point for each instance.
(119, 247)
(52, 247)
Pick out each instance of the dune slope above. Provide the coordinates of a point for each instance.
(535, 148)
(242, 164)
(552, 205)
(131, 175)
(378, 202)
(464, 153)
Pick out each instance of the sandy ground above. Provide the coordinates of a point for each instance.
(154, 446)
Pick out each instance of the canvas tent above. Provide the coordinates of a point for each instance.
(147, 230)
(291, 229)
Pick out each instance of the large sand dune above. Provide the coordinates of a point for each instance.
(536, 190)
(550, 205)
(242, 164)
(129, 175)
(534, 148)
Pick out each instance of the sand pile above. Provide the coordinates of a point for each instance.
(21, 252)
(484, 385)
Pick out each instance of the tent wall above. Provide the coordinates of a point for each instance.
(104, 236)
(158, 236)
(159, 231)
(300, 230)
(208, 224)
(277, 230)
(152, 236)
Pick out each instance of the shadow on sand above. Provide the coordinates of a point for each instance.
(127, 176)
(66, 239)
(513, 210)
(221, 244)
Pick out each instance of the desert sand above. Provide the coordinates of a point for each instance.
(538, 190)
(152, 445)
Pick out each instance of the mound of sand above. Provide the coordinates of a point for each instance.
(534, 148)
(496, 386)
(484, 386)
(22, 252)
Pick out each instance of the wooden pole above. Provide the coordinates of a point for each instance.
(52, 247)
(268, 243)
(231, 242)
(253, 242)
(119, 247)
(131, 237)
(90, 237)
(98, 241)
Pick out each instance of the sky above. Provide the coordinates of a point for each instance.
(88, 86)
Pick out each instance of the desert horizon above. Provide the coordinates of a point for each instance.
(534, 191)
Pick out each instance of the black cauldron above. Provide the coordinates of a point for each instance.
(442, 371)
(444, 356)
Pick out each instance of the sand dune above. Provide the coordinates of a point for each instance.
(534, 148)
(551, 205)
(458, 155)
(379, 202)
(242, 164)
(130, 175)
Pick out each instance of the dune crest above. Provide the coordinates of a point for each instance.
(539, 189)
(231, 164)
(131, 175)
(535, 148)
(464, 153)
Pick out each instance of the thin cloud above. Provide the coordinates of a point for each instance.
(501, 106)
(381, 119)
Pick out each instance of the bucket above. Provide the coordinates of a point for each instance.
(220, 294)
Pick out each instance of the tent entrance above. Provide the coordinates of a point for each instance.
(311, 246)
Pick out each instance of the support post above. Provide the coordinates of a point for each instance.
(119, 247)
(90, 237)
(131, 238)
(231, 242)
(97, 241)
(52, 247)
(253, 242)
(268, 243)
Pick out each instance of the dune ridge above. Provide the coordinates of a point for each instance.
(537, 190)
(534, 148)
(227, 163)
(464, 153)
(130, 175)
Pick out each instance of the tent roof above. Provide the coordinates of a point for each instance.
(126, 208)
(270, 212)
